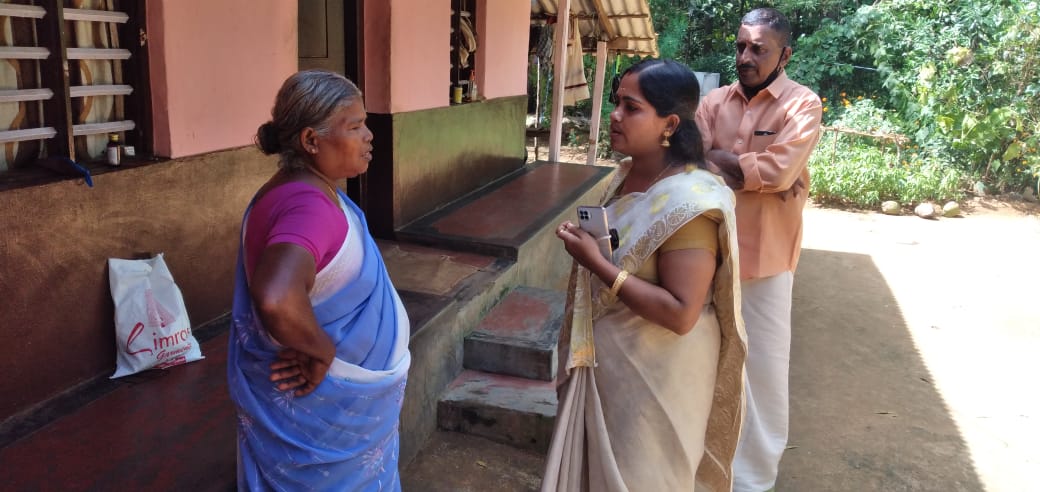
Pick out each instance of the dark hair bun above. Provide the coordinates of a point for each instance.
(267, 139)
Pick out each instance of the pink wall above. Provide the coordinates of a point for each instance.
(503, 30)
(214, 76)
(419, 54)
(376, 73)
(215, 68)
(406, 54)
(409, 39)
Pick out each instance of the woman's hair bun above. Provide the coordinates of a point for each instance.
(267, 139)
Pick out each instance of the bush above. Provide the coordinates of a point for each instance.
(863, 171)
(863, 175)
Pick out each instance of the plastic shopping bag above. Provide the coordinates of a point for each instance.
(152, 328)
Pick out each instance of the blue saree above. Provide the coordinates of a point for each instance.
(344, 435)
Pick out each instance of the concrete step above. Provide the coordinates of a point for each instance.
(500, 218)
(512, 221)
(446, 294)
(515, 411)
(518, 336)
(515, 218)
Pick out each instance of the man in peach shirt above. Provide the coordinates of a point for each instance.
(758, 135)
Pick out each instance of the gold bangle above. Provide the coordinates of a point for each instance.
(620, 279)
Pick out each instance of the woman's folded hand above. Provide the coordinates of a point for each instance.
(295, 370)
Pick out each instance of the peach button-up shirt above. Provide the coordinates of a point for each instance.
(773, 135)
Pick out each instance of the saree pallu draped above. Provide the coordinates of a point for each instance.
(645, 408)
(344, 435)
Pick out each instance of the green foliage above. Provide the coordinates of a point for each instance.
(959, 78)
(866, 175)
(712, 28)
(818, 64)
(964, 76)
(862, 114)
(863, 171)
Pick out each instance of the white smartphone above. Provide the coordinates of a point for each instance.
(594, 221)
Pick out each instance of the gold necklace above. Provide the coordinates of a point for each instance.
(666, 168)
(324, 179)
(624, 186)
(654, 181)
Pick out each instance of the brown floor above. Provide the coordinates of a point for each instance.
(161, 430)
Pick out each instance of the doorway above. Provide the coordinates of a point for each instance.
(331, 38)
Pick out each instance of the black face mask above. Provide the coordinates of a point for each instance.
(751, 92)
(615, 83)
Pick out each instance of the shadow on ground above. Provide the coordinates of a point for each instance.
(865, 414)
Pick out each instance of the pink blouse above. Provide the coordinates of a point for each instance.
(295, 213)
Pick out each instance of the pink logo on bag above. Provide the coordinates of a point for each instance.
(134, 333)
(158, 317)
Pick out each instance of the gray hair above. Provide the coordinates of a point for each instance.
(772, 19)
(307, 99)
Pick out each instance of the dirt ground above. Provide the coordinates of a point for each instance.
(914, 350)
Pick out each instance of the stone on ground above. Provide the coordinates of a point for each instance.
(925, 211)
(951, 209)
(891, 207)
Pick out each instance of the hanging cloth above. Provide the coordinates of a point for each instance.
(545, 43)
(576, 86)
(467, 41)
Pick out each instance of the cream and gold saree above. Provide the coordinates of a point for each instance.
(644, 408)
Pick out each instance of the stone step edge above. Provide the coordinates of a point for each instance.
(518, 337)
(515, 411)
(510, 357)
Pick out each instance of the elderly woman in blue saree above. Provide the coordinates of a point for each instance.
(653, 339)
(318, 355)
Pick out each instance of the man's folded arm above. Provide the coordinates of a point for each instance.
(776, 169)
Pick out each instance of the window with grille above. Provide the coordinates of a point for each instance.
(71, 73)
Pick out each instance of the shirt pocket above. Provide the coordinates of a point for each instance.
(762, 139)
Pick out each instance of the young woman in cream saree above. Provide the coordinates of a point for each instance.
(656, 351)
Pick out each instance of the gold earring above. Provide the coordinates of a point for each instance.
(665, 143)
